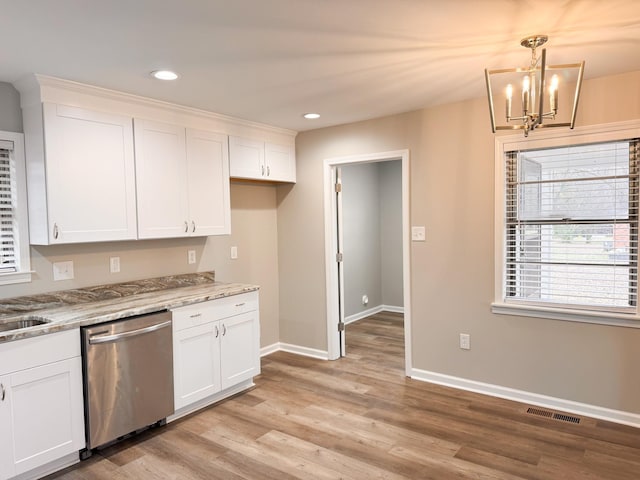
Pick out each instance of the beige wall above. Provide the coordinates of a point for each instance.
(253, 231)
(452, 194)
(361, 237)
(10, 114)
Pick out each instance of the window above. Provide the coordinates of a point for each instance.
(567, 224)
(572, 225)
(14, 243)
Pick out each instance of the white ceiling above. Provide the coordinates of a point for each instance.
(272, 60)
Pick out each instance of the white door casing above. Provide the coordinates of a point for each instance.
(331, 247)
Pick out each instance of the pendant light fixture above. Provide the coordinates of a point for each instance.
(536, 96)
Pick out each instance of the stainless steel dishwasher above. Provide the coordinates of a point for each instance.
(128, 375)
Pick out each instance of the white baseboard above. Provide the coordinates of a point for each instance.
(210, 400)
(594, 411)
(392, 309)
(298, 350)
(372, 311)
(274, 347)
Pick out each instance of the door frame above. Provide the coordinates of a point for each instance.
(330, 242)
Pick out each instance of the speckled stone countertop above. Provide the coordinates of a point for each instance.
(86, 306)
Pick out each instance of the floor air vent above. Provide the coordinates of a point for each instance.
(556, 416)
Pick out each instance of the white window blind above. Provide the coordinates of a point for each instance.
(572, 226)
(8, 259)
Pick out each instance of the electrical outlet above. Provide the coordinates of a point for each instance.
(234, 253)
(418, 234)
(63, 270)
(465, 341)
(114, 264)
(192, 256)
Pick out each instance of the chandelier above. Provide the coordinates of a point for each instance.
(539, 103)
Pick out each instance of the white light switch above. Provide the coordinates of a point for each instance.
(465, 341)
(234, 252)
(418, 234)
(63, 270)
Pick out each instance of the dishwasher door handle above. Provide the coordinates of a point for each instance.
(132, 333)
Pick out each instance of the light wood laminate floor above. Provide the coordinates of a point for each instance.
(360, 418)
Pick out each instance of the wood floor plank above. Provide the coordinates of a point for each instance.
(340, 464)
(360, 418)
(443, 466)
(286, 462)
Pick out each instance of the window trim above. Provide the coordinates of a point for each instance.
(23, 257)
(547, 139)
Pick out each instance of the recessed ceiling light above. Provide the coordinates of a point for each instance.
(164, 74)
(311, 116)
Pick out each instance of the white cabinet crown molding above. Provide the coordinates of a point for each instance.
(43, 88)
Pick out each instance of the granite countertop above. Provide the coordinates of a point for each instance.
(87, 306)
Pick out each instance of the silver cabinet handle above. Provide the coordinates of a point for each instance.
(239, 304)
(268, 170)
(132, 333)
(186, 226)
(55, 231)
(224, 329)
(193, 226)
(217, 331)
(263, 170)
(195, 315)
(4, 392)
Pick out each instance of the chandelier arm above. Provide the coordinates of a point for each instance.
(541, 88)
(577, 97)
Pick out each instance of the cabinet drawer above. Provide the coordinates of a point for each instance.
(40, 350)
(212, 310)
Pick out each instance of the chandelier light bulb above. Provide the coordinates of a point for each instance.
(525, 94)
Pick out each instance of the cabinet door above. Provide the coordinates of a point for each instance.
(246, 158)
(90, 175)
(281, 162)
(161, 179)
(239, 348)
(47, 413)
(208, 183)
(7, 467)
(196, 358)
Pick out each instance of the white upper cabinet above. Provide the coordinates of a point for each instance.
(161, 178)
(280, 161)
(104, 165)
(208, 183)
(246, 158)
(182, 178)
(257, 160)
(80, 174)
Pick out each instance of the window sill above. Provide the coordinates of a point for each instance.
(582, 316)
(15, 277)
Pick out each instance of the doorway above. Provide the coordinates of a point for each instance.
(333, 236)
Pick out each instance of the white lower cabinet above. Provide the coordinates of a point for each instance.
(216, 346)
(41, 407)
